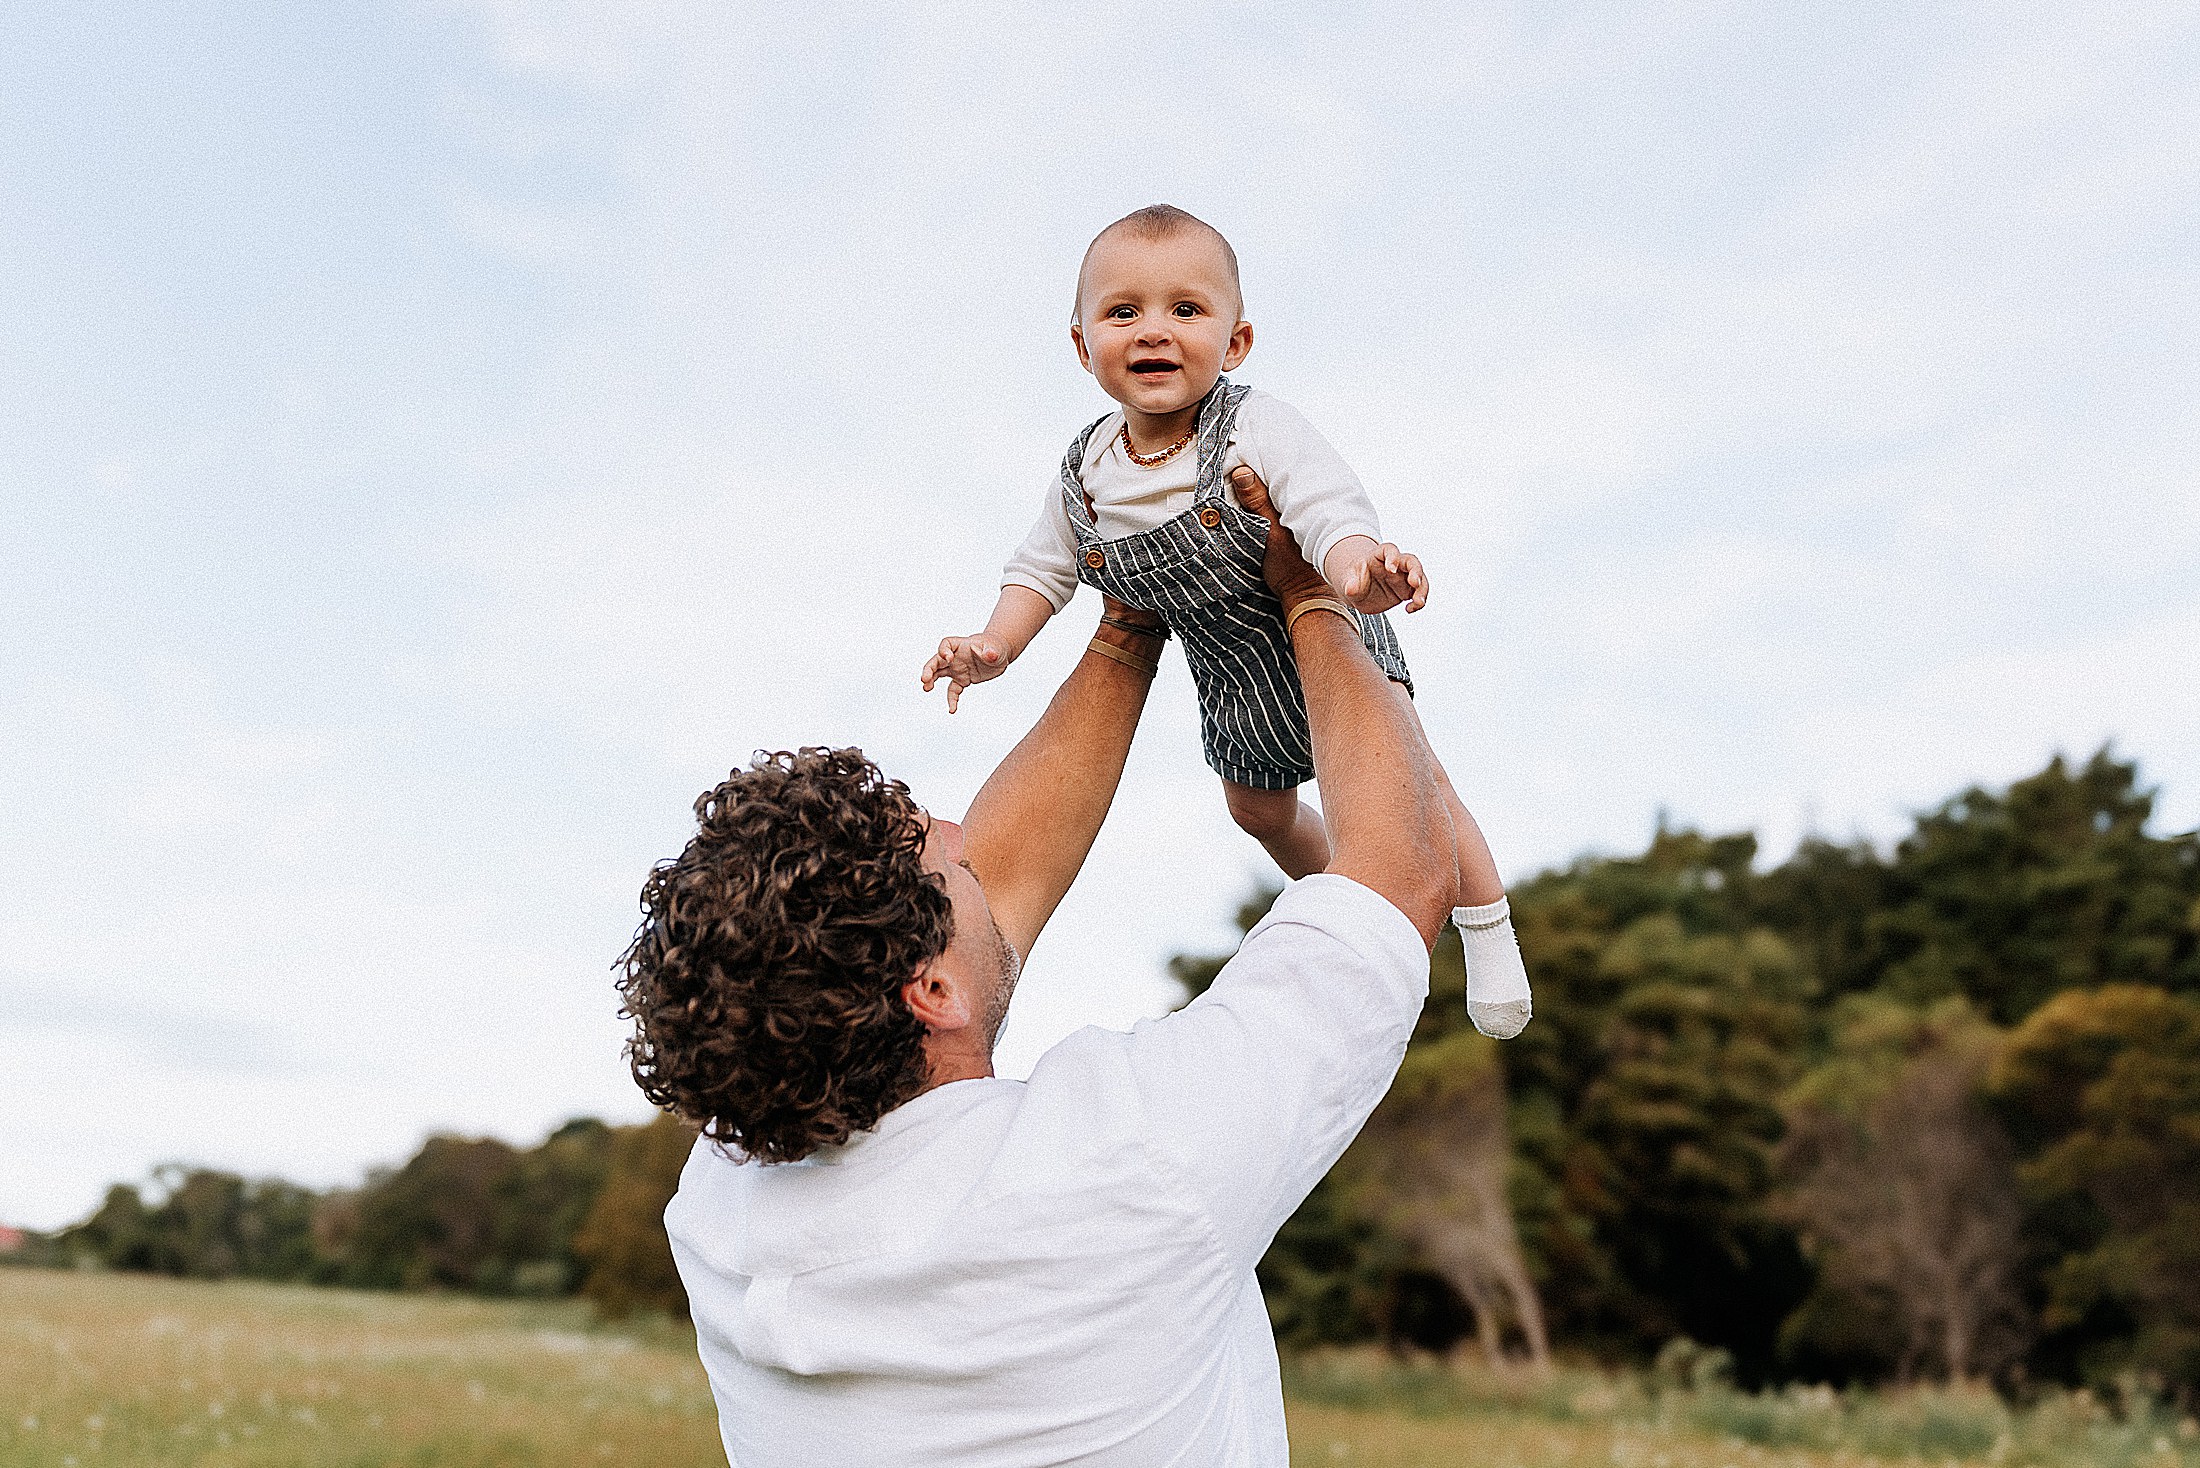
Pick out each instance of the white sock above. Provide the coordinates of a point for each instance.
(1497, 981)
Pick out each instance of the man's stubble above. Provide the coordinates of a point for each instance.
(1010, 969)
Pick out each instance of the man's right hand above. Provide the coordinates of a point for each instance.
(1288, 573)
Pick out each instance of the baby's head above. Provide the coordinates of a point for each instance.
(1159, 315)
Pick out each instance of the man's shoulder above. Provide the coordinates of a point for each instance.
(1332, 948)
(1349, 912)
(1331, 959)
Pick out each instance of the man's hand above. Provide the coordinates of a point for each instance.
(964, 661)
(1374, 578)
(1287, 572)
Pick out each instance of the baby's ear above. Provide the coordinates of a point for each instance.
(1077, 335)
(1241, 343)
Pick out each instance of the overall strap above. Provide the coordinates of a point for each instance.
(1073, 476)
(1217, 417)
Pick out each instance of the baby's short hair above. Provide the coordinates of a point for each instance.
(1158, 222)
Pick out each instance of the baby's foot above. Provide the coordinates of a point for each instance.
(1497, 981)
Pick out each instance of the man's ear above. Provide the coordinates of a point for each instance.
(1077, 335)
(937, 1001)
(1241, 342)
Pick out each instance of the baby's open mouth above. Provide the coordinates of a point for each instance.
(1153, 364)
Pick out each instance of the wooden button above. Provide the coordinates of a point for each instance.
(1210, 517)
(1095, 559)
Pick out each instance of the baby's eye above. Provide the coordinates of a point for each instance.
(1186, 310)
(1120, 313)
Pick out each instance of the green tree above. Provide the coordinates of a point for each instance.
(622, 1242)
(460, 1214)
(540, 1203)
(1826, 900)
(206, 1225)
(119, 1234)
(1642, 1107)
(1645, 1099)
(1681, 994)
(1676, 1131)
(430, 1223)
(2009, 899)
(1333, 1277)
(1433, 1168)
(1905, 1188)
(2105, 1086)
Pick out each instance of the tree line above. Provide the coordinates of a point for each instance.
(1932, 1112)
(581, 1212)
(1864, 1115)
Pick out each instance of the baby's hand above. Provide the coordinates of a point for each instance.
(1385, 577)
(964, 661)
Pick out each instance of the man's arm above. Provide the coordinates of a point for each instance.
(1256, 1087)
(1389, 825)
(1031, 826)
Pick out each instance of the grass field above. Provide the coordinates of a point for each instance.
(126, 1369)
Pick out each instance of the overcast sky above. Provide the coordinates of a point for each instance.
(437, 440)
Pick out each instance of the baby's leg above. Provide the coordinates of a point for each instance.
(1291, 829)
(1479, 884)
(1498, 999)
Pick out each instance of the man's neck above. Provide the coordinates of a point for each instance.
(948, 1058)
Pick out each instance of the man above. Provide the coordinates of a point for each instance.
(896, 1258)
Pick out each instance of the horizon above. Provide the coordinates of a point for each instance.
(148, 1184)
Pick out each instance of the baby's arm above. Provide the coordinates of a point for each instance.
(1017, 618)
(1038, 581)
(1321, 502)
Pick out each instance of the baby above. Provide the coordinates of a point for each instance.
(1140, 510)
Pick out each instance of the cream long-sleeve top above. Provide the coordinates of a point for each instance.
(1316, 494)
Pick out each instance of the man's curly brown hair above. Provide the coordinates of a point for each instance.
(765, 984)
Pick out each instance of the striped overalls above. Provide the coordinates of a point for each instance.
(1201, 572)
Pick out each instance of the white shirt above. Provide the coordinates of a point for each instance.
(1316, 494)
(1007, 1274)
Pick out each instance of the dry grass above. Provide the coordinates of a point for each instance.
(1364, 1407)
(126, 1369)
(1336, 1437)
(133, 1370)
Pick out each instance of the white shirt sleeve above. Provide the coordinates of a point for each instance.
(1255, 1088)
(1318, 497)
(1047, 560)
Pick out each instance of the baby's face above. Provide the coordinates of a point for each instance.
(1158, 320)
